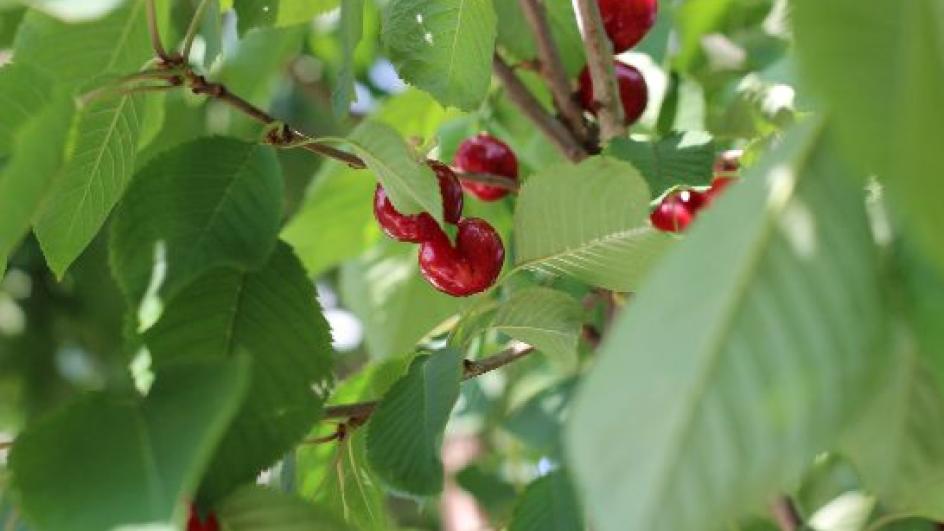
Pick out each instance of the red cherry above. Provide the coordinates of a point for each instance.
(195, 523)
(728, 161)
(677, 210)
(484, 153)
(472, 266)
(627, 21)
(718, 185)
(634, 93)
(413, 227)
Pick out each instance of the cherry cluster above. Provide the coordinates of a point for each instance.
(626, 23)
(679, 208)
(473, 263)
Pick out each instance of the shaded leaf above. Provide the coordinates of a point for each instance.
(351, 30)
(771, 348)
(405, 432)
(265, 13)
(679, 159)
(135, 459)
(549, 503)
(272, 315)
(255, 508)
(547, 319)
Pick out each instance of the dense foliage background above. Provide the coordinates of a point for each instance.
(199, 312)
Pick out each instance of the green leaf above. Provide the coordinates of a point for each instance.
(752, 343)
(444, 47)
(894, 125)
(108, 460)
(898, 446)
(255, 508)
(272, 315)
(37, 151)
(351, 30)
(397, 306)
(515, 36)
(539, 422)
(405, 432)
(695, 19)
(410, 183)
(548, 504)
(204, 204)
(74, 54)
(679, 159)
(590, 221)
(24, 91)
(493, 493)
(92, 180)
(546, 319)
(264, 13)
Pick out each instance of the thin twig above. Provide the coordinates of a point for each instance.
(192, 29)
(562, 138)
(155, 32)
(600, 62)
(785, 514)
(552, 68)
(359, 412)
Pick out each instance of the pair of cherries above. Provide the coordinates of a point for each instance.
(473, 263)
(678, 209)
(626, 22)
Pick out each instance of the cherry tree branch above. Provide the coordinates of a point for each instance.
(559, 135)
(359, 412)
(600, 62)
(552, 68)
(785, 514)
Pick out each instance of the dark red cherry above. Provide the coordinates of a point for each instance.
(728, 161)
(469, 267)
(677, 210)
(413, 227)
(634, 93)
(484, 153)
(195, 523)
(627, 21)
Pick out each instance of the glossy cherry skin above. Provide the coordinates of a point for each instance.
(413, 227)
(677, 210)
(484, 153)
(627, 21)
(469, 267)
(195, 523)
(634, 94)
(718, 185)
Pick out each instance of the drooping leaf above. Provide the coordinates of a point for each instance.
(679, 159)
(444, 47)
(894, 125)
(92, 180)
(757, 337)
(410, 183)
(547, 319)
(255, 508)
(136, 459)
(265, 13)
(590, 221)
(351, 30)
(548, 504)
(204, 204)
(898, 446)
(74, 54)
(343, 195)
(405, 432)
(272, 315)
(37, 151)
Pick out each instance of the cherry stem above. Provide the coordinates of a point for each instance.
(193, 29)
(600, 62)
(552, 68)
(560, 136)
(4, 445)
(155, 32)
(497, 181)
(359, 412)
